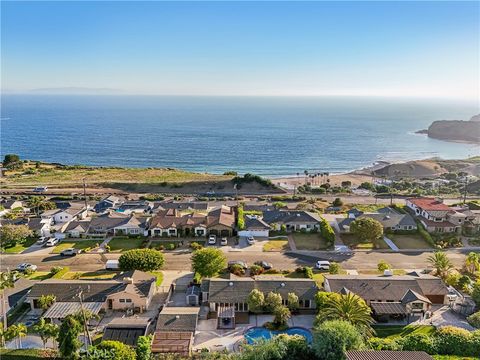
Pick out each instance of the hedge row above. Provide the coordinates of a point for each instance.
(425, 235)
(327, 232)
(448, 340)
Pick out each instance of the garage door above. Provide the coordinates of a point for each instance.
(254, 233)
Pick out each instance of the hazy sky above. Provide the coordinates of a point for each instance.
(244, 48)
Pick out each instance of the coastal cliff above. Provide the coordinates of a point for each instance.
(455, 130)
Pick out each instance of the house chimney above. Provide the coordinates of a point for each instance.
(128, 280)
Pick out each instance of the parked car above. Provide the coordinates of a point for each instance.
(40, 189)
(42, 240)
(212, 240)
(265, 265)
(26, 266)
(52, 242)
(250, 240)
(322, 265)
(224, 241)
(70, 252)
(243, 264)
(112, 265)
(343, 249)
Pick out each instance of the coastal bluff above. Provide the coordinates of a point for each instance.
(455, 130)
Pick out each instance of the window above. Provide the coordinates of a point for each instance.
(128, 300)
(306, 303)
(417, 306)
(122, 300)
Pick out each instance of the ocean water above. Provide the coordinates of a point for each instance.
(265, 135)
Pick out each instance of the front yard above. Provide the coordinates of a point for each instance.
(276, 245)
(352, 242)
(309, 241)
(18, 248)
(120, 244)
(83, 245)
(413, 241)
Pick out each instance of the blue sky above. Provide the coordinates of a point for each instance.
(244, 48)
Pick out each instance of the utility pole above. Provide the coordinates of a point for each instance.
(85, 193)
(465, 191)
(85, 326)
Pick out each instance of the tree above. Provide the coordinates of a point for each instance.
(293, 302)
(256, 301)
(11, 161)
(46, 331)
(281, 314)
(144, 351)
(367, 229)
(346, 184)
(476, 292)
(322, 299)
(441, 263)
(349, 307)
(472, 262)
(383, 265)
(40, 203)
(17, 331)
(337, 202)
(334, 268)
(141, 259)
(208, 262)
(333, 338)
(281, 347)
(474, 319)
(10, 235)
(45, 301)
(119, 350)
(272, 300)
(256, 270)
(68, 343)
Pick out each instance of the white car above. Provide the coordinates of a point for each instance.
(250, 240)
(42, 240)
(322, 265)
(212, 240)
(224, 241)
(52, 242)
(40, 189)
(70, 252)
(26, 266)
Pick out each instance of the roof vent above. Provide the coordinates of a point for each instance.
(282, 284)
(177, 316)
(128, 280)
(230, 283)
(388, 272)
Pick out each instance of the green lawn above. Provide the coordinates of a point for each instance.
(353, 242)
(76, 244)
(276, 245)
(309, 241)
(376, 272)
(413, 241)
(453, 357)
(40, 275)
(17, 249)
(385, 331)
(159, 276)
(120, 244)
(90, 275)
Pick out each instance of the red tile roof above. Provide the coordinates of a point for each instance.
(431, 204)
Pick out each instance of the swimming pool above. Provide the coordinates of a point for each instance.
(260, 333)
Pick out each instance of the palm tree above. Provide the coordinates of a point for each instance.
(441, 263)
(7, 280)
(2, 335)
(349, 307)
(17, 332)
(46, 331)
(472, 262)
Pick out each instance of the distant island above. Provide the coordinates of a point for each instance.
(455, 130)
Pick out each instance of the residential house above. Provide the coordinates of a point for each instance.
(255, 226)
(7, 205)
(228, 297)
(398, 297)
(12, 297)
(76, 228)
(132, 290)
(197, 206)
(435, 215)
(390, 219)
(76, 211)
(175, 330)
(118, 224)
(39, 226)
(293, 220)
(127, 330)
(221, 221)
(107, 203)
(138, 207)
(172, 223)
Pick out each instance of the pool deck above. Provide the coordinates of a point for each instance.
(208, 336)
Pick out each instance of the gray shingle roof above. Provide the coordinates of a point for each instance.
(255, 223)
(178, 319)
(283, 216)
(373, 288)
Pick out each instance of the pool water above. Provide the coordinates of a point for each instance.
(255, 334)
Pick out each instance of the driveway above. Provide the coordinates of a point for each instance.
(444, 316)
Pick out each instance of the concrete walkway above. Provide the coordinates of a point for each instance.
(291, 243)
(390, 244)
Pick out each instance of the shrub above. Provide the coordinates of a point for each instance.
(425, 235)
(170, 246)
(322, 298)
(327, 232)
(474, 319)
(143, 350)
(334, 268)
(195, 246)
(337, 202)
(255, 270)
(293, 302)
(141, 259)
(237, 269)
(418, 342)
(378, 344)
(119, 350)
(383, 265)
(450, 340)
(308, 272)
(240, 217)
(333, 338)
(56, 269)
(272, 301)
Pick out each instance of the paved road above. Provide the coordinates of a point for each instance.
(181, 261)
